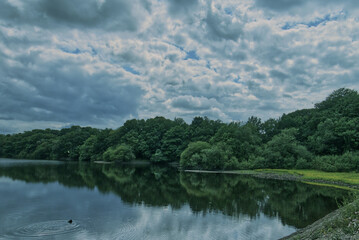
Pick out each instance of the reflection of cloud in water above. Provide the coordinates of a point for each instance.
(156, 223)
(105, 216)
(159, 223)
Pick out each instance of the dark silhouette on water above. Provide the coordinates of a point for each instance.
(70, 221)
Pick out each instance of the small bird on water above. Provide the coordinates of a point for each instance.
(69, 221)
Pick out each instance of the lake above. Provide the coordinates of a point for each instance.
(38, 198)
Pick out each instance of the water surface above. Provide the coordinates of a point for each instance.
(151, 202)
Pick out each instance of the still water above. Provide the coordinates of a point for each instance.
(38, 198)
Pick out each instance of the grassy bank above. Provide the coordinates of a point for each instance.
(350, 178)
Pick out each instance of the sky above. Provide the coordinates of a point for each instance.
(101, 62)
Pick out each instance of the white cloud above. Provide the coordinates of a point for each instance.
(225, 59)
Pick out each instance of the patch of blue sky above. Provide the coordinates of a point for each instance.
(191, 55)
(318, 21)
(228, 11)
(314, 23)
(208, 65)
(288, 26)
(177, 46)
(130, 70)
(93, 51)
(72, 51)
(236, 80)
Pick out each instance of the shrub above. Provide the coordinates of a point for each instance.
(245, 165)
(349, 161)
(325, 163)
(158, 157)
(302, 164)
(122, 153)
(191, 156)
(201, 155)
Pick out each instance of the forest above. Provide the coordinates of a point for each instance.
(325, 137)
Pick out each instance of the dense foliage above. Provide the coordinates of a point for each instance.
(325, 137)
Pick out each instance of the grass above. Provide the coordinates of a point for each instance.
(345, 177)
(330, 185)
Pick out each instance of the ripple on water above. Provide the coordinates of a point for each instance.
(43, 229)
(127, 231)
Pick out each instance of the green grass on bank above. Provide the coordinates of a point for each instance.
(331, 185)
(345, 177)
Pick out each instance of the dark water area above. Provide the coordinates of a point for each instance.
(38, 198)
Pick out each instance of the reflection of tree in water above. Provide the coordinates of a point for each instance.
(231, 195)
(294, 203)
(152, 185)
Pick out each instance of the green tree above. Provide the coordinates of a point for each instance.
(283, 151)
(121, 153)
(87, 150)
(158, 157)
(241, 141)
(270, 129)
(203, 129)
(336, 136)
(192, 156)
(343, 101)
(174, 141)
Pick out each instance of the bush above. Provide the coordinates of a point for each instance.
(349, 161)
(302, 164)
(245, 165)
(284, 150)
(158, 157)
(122, 153)
(258, 162)
(325, 163)
(213, 158)
(191, 156)
(201, 155)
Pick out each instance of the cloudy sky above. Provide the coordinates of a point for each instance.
(100, 62)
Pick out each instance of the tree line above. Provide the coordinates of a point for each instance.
(325, 137)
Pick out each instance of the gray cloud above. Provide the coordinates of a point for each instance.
(280, 5)
(110, 14)
(278, 75)
(100, 62)
(193, 103)
(61, 91)
(308, 5)
(221, 26)
(178, 7)
(106, 15)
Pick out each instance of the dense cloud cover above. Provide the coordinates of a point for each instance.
(101, 62)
